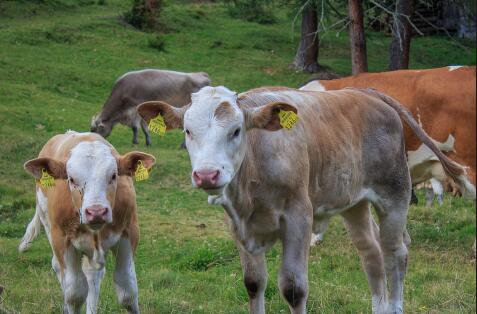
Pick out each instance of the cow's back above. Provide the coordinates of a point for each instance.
(169, 86)
(341, 138)
(60, 146)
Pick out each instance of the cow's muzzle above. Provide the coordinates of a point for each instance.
(96, 216)
(206, 178)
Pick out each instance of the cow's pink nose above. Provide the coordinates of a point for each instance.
(206, 178)
(96, 214)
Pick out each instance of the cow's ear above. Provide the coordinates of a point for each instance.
(55, 168)
(128, 163)
(173, 117)
(267, 117)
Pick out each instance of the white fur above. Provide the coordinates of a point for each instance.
(313, 86)
(210, 144)
(125, 276)
(91, 166)
(94, 277)
(454, 67)
(74, 283)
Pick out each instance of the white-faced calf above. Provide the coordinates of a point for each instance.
(345, 152)
(88, 209)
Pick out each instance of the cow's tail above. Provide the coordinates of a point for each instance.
(33, 230)
(452, 169)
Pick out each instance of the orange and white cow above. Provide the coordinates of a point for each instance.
(444, 101)
(89, 209)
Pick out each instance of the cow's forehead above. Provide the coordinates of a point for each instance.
(205, 102)
(91, 156)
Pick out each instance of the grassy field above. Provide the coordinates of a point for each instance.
(57, 66)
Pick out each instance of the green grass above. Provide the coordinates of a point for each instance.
(58, 63)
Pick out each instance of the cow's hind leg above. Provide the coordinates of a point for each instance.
(319, 228)
(254, 269)
(393, 215)
(365, 236)
(438, 190)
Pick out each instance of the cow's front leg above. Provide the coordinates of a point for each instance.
(254, 269)
(296, 234)
(125, 276)
(145, 130)
(94, 277)
(75, 286)
(134, 130)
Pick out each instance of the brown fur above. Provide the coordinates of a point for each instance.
(152, 109)
(224, 111)
(443, 100)
(64, 218)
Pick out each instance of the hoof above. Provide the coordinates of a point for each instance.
(316, 239)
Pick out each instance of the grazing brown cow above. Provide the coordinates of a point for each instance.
(345, 152)
(443, 99)
(136, 87)
(90, 209)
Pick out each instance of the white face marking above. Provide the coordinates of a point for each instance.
(215, 144)
(313, 86)
(92, 172)
(454, 67)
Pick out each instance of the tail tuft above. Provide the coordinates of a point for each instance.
(33, 230)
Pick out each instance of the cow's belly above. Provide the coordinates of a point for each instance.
(332, 205)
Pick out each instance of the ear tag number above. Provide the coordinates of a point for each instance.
(141, 173)
(287, 119)
(46, 180)
(157, 125)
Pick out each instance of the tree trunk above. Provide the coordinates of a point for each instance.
(306, 58)
(359, 61)
(401, 43)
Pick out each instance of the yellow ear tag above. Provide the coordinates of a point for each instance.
(287, 119)
(141, 172)
(157, 125)
(46, 180)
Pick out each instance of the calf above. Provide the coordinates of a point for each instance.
(345, 152)
(136, 87)
(90, 209)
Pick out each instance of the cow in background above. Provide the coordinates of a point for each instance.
(442, 99)
(88, 209)
(136, 87)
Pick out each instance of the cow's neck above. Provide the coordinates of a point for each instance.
(239, 192)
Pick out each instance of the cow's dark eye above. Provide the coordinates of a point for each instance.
(72, 181)
(187, 132)
(236, 132)
(113, 177)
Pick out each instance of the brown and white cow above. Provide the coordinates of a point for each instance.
(90, 209)
(444, 101)
(345, 153)
(135, 87)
